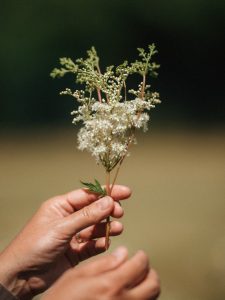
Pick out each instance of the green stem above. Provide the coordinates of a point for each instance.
(121, 161)
(98, 89)
(143, 87)
(117, 172)
(108, 218)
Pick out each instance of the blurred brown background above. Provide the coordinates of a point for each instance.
(177, 170)
(176, 213)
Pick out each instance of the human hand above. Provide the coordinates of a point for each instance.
(110, 277)
(47, 246)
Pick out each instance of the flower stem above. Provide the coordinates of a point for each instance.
(143, 87)
(120, 163)
(108, 218)
(117, 172)
(99, 95)
(125, 91)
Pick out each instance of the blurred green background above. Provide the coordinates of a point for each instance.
(176, 172)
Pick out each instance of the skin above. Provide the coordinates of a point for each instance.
(109, 278)
(47, 246)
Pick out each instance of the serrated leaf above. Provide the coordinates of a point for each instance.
(95, 187)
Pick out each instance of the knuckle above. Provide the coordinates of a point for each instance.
(86, 212)
(109, 287)
(106, 285)
(47, 204)
(111, 262)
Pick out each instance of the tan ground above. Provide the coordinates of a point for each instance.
(176, 214)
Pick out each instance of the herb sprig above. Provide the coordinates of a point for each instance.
(109, 111)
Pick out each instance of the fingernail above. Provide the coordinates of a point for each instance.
(104, 203)
(120, 253)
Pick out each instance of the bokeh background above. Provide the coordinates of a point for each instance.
(177, 171)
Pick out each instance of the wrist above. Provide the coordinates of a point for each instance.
(10, 276)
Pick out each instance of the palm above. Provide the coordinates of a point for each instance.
(43, 278)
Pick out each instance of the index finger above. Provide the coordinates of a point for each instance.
(82, 197)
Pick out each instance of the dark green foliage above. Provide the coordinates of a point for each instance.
(95, 187)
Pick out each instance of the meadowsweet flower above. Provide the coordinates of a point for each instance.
(110, 120)
(108, 128)
(109, 117)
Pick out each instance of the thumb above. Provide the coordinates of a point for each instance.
(87, 216)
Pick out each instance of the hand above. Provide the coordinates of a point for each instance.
(47, 246)
(110, 277)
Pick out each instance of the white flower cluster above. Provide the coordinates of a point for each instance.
(109, 127)
(109, 119)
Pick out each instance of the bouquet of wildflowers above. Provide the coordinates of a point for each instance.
(109, 116)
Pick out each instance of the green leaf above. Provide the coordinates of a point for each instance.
(95, 187)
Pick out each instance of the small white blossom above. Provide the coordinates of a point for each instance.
(109, 119)
(109, 128)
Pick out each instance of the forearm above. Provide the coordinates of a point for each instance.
(10, 277)
(5, 294)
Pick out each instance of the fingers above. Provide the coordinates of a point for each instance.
(86, 246)
(135, 277)
(82, 197)
(120, 192)
(99, 230)
(83, 281)
(149, 289)
(104, 263)
(79, 252)
(87, 216)
(117, 211)
(131, 272)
